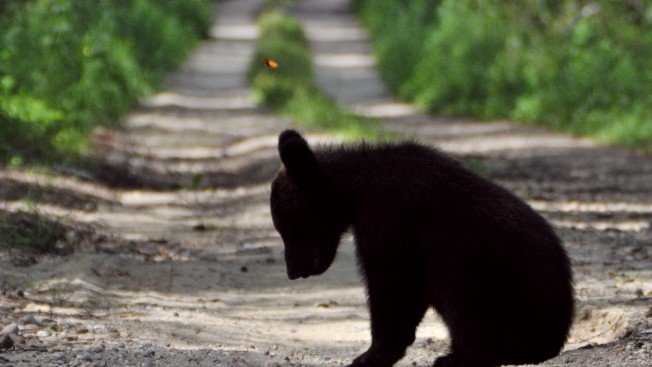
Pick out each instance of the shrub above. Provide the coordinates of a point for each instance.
(459, 71)
(75, 64)
(399, 43)
(290, 88)
(576, 65)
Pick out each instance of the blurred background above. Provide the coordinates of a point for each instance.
(68, 66)
(580, 66)
(577, 65)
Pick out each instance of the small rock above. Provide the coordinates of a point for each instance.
(200, 227)
(6, 342)
(30, 320)
(9, 329)
(42, 333)
(98, 349)
(100, 329)
(148, 353)
(81, 330)
(85, 357)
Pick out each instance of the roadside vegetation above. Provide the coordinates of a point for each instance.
(290, 88)
(67, 66)
(579, 66)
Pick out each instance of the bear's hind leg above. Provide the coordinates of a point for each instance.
(469, 345)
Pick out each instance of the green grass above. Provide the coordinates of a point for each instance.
(291, 89)
(584, 68)
(67, 66)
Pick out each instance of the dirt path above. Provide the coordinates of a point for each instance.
(178, 277)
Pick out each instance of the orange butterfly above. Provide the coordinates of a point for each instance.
(270, 63)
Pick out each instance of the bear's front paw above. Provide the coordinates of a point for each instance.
(370, 359)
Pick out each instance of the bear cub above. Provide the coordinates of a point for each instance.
(428, 233)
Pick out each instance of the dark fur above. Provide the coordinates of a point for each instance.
(428, 232)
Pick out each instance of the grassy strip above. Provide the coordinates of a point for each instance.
(69, 65)
(578, 67)
(291, 88)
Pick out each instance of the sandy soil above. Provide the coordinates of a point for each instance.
(177, 263)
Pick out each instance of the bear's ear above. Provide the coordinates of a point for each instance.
(299, 161)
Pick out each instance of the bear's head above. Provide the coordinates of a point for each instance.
(306, 209)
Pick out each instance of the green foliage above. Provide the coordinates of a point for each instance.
(194, 15)
(66, 66)
(30, 231)
(159, 37)
(581, 66)
(460, 70)
(399, 42)
(282, 40)
(290, 88)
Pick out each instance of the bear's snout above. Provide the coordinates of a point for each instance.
(298, 267)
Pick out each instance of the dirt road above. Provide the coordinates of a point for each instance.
(181, 265)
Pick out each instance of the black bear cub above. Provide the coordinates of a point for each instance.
(428, 232)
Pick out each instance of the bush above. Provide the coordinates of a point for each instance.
(580, 66)
(460, 70)
(399, 43)
(290, 88)
(75, 64)
(599, 84)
